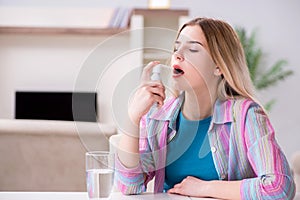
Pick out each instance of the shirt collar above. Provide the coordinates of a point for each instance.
(223, 111)
(169, 111)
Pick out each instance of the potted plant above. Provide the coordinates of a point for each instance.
(262, 77)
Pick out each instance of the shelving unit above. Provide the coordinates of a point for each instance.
(151, 32)
(43, 20)
(36, 53)
(159, 32)
(59, 30)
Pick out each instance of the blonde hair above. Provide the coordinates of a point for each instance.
(228, 54)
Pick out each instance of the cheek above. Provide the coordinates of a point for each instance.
(195, 78)
(202, 66)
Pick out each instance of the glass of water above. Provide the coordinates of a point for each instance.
(100, 167)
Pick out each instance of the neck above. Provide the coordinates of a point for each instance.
(198, 105)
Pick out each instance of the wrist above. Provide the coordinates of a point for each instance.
(224, 189)
(134, 118)
(128, 127)
(211, 188)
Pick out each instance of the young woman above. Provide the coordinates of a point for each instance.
(212, 140)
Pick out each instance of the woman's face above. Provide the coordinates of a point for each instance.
(193, 67)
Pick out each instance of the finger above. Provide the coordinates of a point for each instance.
(158, 99)
(190, 178)
(152, 84)
(151, 96)
(146, 75)
(177, 185)
(158, 91)
(172, 191)
(154, 88)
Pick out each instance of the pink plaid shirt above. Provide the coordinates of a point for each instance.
(243, 148)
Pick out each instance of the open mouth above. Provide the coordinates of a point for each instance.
(177, 70)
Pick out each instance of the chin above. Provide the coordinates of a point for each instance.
(176, 85)
(181, 86)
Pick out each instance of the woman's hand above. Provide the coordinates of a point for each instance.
(148, 93)
(191, 186)
(194, 187)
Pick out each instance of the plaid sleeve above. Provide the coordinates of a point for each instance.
(134, 180)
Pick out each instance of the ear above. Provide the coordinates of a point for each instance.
(217, 72)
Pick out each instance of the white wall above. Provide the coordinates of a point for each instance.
(34, 62)
(278, 34)
(47, 62)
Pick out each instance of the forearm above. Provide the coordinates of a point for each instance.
(129, 178)
(128, 150)
(224, 189)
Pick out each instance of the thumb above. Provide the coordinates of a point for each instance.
(146, 74)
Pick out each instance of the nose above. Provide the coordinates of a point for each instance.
(178, 56)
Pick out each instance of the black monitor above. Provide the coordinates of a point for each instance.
(68, 106)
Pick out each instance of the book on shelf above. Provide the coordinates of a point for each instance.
(121, 17)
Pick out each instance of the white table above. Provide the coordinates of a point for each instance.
(83, 196)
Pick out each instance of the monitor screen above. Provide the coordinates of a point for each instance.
(68, 106)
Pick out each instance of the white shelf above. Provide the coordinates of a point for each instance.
(44, 20)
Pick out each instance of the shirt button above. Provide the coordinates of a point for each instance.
(213, 149)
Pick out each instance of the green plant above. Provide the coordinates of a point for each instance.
(262, 77)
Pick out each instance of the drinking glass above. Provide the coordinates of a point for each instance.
(100, 174)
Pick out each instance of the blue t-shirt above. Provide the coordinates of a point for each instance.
(188, 153)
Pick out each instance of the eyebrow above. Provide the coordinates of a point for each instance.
(190, 42)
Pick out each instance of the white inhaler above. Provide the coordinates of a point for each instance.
(156, 73)
(156, 77)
